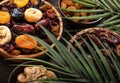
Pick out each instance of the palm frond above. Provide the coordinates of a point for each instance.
(105, 63)
(84, 10)
(93, 17)
(76, 64)
(112, 57)
(84, 3)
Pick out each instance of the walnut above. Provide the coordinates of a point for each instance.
(34, 73)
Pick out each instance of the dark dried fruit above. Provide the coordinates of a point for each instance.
(44, 22)
(8, 47)
(17, 14)
(23, 28)
(40, 3)
(50, 15)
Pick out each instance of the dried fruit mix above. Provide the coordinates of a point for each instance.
(24, 17)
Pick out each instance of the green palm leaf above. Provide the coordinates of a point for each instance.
(77, 65)
(84, 3)
(89, 17)
(105, 63)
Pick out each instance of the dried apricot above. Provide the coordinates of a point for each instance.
(4, 17)
(21, 3)
(25, 41)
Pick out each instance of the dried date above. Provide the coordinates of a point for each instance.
(23, 28)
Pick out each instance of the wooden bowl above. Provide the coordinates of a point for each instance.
(39, 54)
(106, 37)
(78, 24)
(95, 30)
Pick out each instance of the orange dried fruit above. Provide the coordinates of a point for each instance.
(25, 41)
(21, 3)
(4, 17)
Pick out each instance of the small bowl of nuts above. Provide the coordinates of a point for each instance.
(22, 74)
(72, 10)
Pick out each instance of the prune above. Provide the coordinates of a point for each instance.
(23, 28)
(17, 14)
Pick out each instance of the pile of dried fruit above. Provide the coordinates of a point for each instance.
(100, 36)
(70, 5)
(21, 17)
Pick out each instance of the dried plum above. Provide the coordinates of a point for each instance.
(17, 14)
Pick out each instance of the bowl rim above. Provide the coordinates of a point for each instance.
(87, 23)
(89, 29)
(95, 28)
(39, 54)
